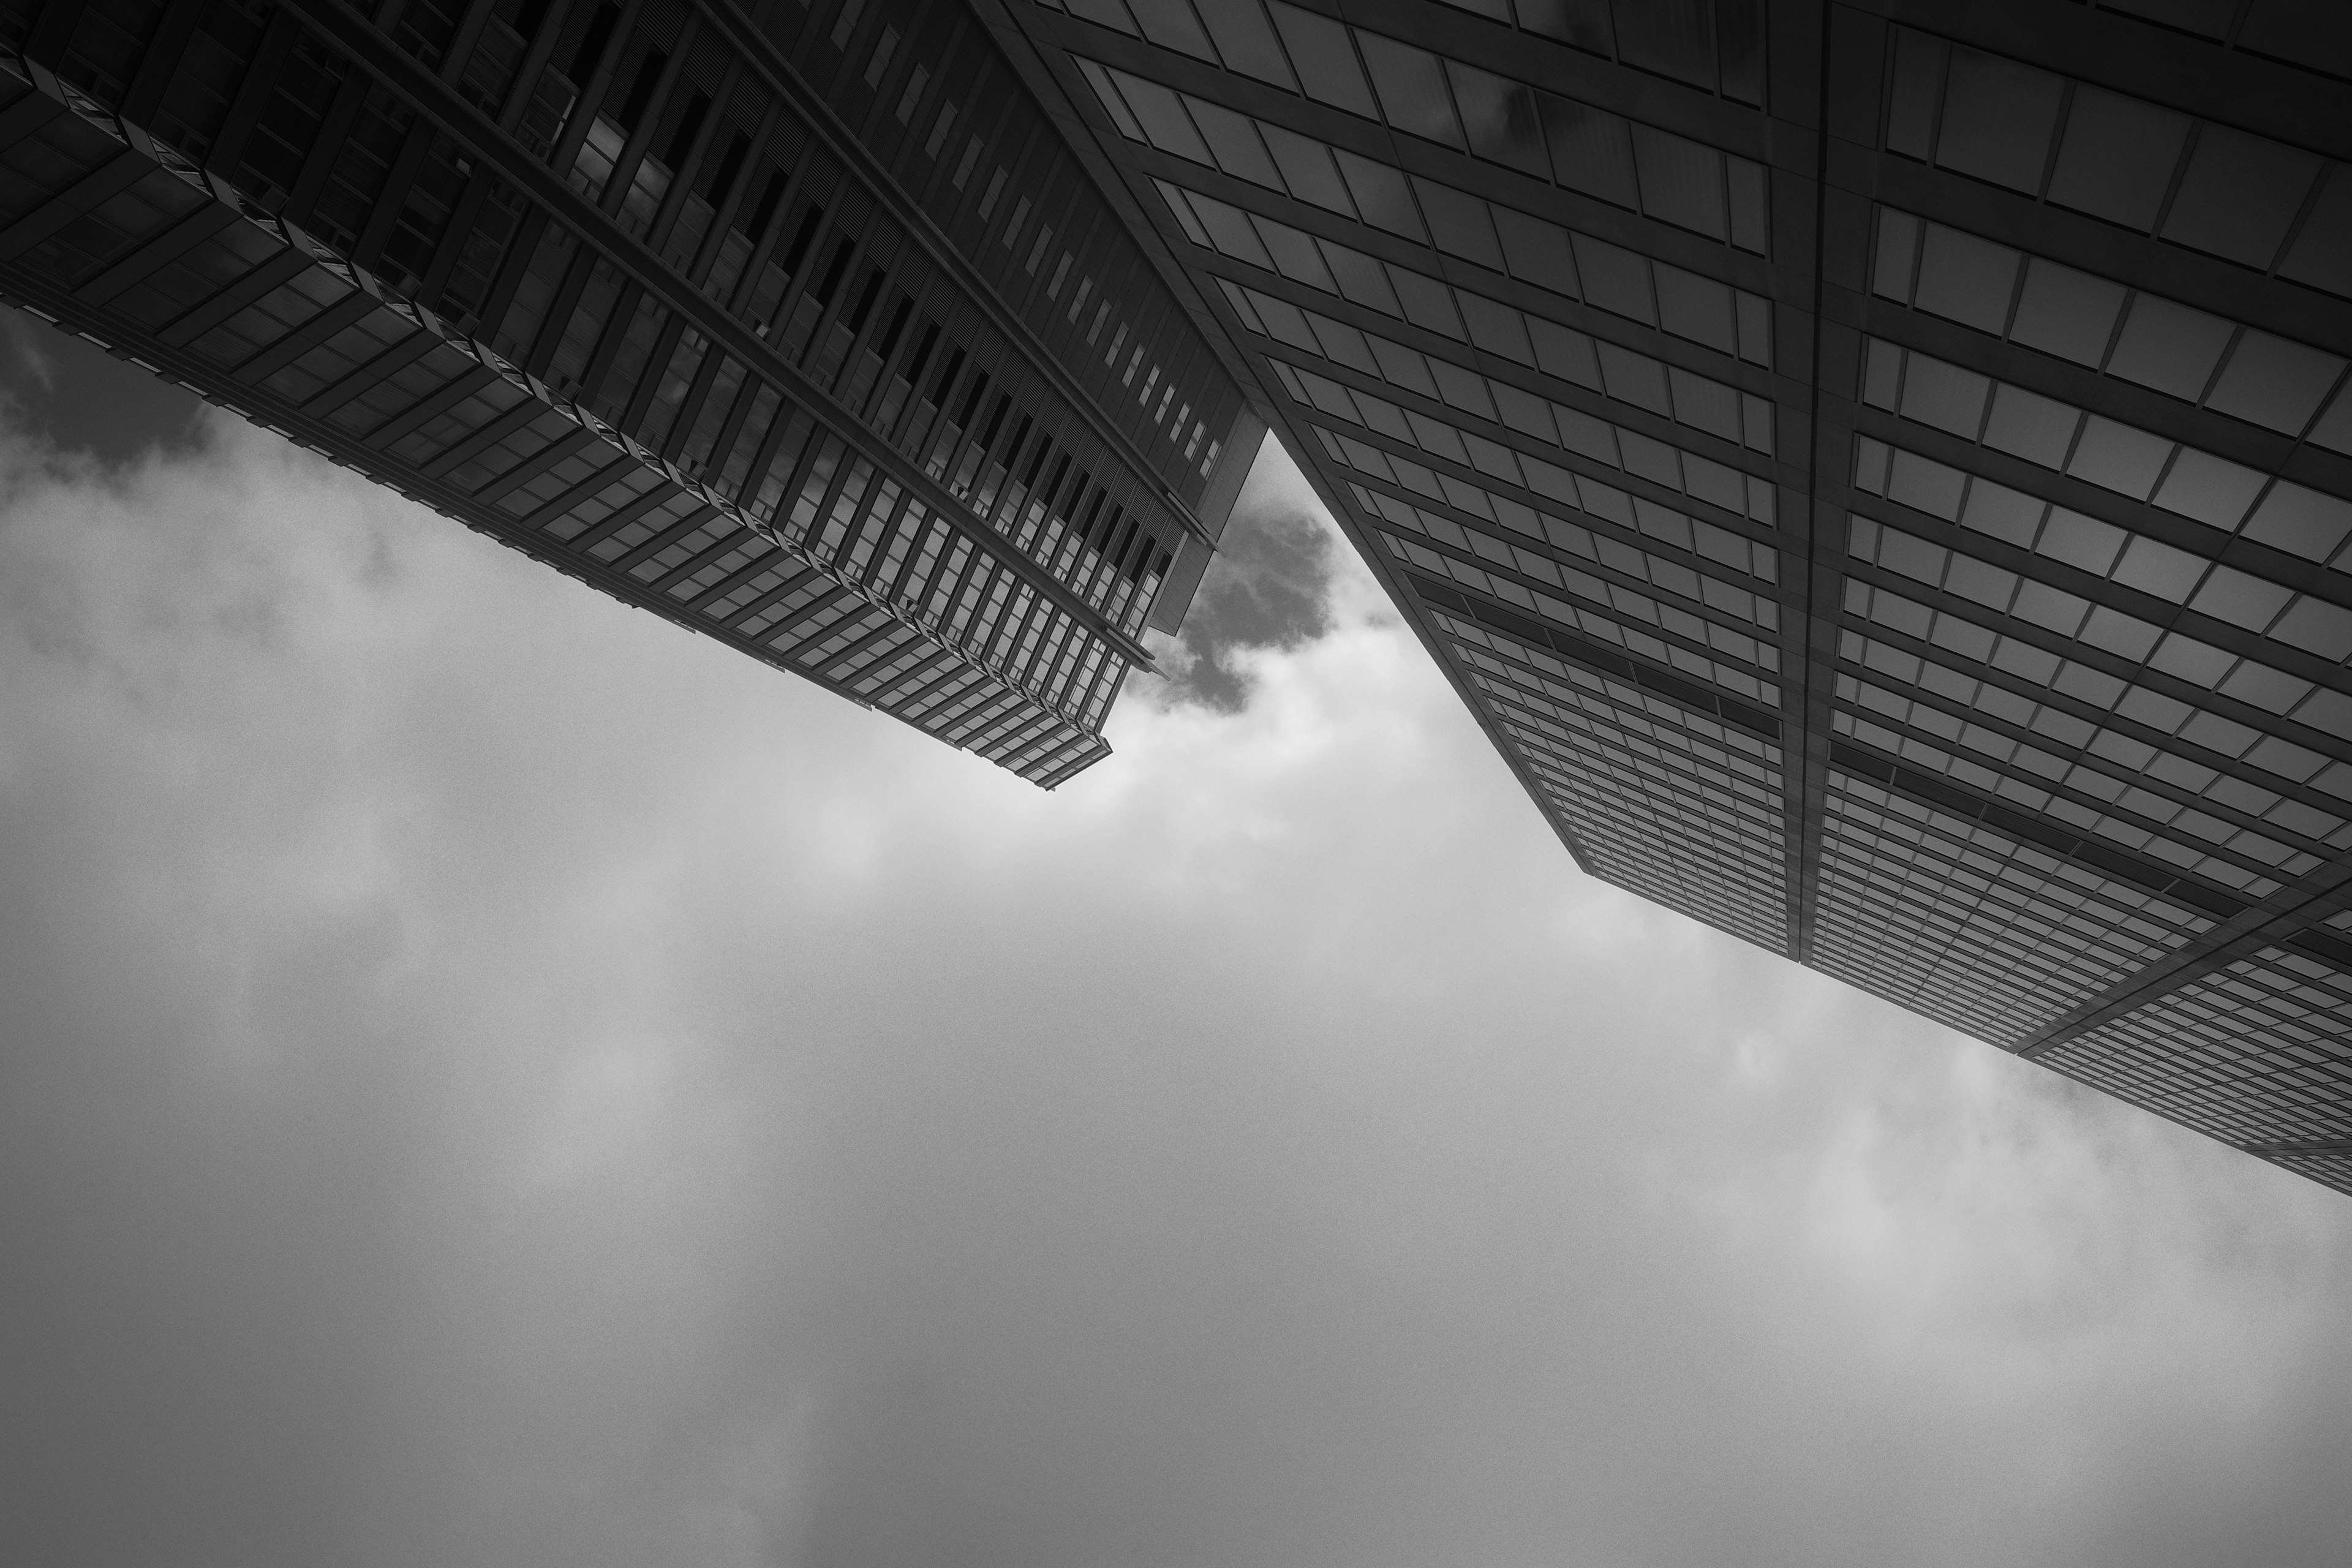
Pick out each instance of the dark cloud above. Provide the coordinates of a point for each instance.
(81, 400)
(1267, 588)
(493, 1079)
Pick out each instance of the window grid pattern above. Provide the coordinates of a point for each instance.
(1670, 803)
(1596, 153)
(333, 358)
(1578, 268)
(1969, 926)
(2257, 1053)
(2132, 334)
(2153, 171)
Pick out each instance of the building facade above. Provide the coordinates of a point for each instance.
(1878, 470)
(805, 331)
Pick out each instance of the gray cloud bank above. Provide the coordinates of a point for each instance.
(492, 1080)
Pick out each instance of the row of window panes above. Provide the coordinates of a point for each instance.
(2318, 627)
(1713, 47)
(2137, 336)
(765, 303)
(1966, 854)
(2083, 796)
(1728, 757)
(1704, 834)
(2200, 666)
(1683, 629)
(1629, 451)
(2133, 463)
(2157, 781)
(1644, 801)
(2205, 737)
(1611, 279)
(469, 421)
(1723, 779)
(739, 409)
(1621, 374)
(2150, 169)
(2232, 1054)
(1627, 703)
(1054, 197)
(1655, 573)
(1662, 175)
(1643, 566)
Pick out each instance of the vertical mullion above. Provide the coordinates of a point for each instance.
(253, 95)
(163, 55)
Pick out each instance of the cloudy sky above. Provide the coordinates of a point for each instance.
(490, 1079)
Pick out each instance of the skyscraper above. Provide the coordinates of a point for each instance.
(808, 333)
(1877, 472)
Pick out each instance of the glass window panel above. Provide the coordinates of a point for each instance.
(1163, 119)
(2317, 626)
(2068, 314)
(1945, 396)
(2154, 567)
(2334, 430)
(1411, 89)
(1997, 117)
(1233, 142)
(1170, 25)
(1427, 302)
(2322, 255)
(2118, 457)
(1682, 181)
(1564, 353)
(1307, 169)
(1536, 252)
(1635, 378)
(1326, 60)
(1699, 309)
(2032, 426)
(2233, 597)
(1966, 279)
(1911, 109)
(1673, 37)
(1242, 35)
(1592, 149)
(2239, 195)
(2209, 489)
(1898, 252)
(2009, 514)
(1501, 119)
(2169, 347)
(1381, 195)
(2301, 521)
(1615, 280)
(2079, 540)
(2272, 381)
(2117, 157)
(1927, 487)
(2266, 688)
(1583, 23)
(1460, 223)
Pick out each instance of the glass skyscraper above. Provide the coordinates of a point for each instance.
(808, 333)
(1877, 472)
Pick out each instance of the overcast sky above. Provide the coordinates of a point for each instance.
(491, 1079)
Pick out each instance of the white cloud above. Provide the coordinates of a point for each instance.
(499, 1079)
